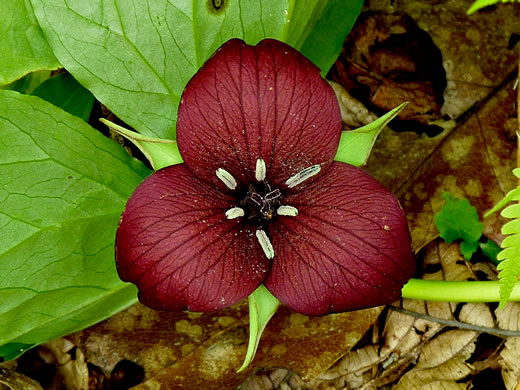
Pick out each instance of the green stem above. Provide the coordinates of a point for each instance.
(449, 291)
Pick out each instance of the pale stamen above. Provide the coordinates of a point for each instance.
(301, 176)
(235, 212)
(260, 170)
(273, 195)
(265, 244)
(226, 178)
(287, 211)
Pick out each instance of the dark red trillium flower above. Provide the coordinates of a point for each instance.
(260, 200)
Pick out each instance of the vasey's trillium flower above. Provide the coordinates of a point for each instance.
(260, 200)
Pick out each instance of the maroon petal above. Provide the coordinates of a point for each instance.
(176, 244)
(348, 248)
(248, 102)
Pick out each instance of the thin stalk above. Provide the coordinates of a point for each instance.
(450, 291)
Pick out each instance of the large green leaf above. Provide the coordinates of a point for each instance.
(23, 49)
(66, 93)
(29, 82)
(136, 57)
(63, 189)
(325, 41)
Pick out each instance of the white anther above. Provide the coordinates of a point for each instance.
(226, 178)
(234, 212)
(265, 243)
(288, 211)
(260, 170)
(301, 176)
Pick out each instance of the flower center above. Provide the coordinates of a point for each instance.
(262, 202)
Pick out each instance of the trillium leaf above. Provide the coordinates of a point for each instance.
(325, 41)
(63, 188)
(262, 306)
(66, 93)
(24, 48)
(355, 145)
(136, 57)
(159, 152)
(29, 82)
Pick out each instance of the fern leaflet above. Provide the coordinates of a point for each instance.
(509, 266)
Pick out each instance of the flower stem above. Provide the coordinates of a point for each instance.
(452, 291)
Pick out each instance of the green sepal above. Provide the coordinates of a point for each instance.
(262, 306)
(159, 152)
(479, 4)
(355, 145)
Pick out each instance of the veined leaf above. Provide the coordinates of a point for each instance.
(325, 40)
(136, 57)
(63, 188)
(29, 82)
(66, 93)
(24, 48)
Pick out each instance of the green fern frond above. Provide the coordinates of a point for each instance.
(509, 257)
(479, 4)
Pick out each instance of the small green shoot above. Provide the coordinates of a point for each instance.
(458, 220)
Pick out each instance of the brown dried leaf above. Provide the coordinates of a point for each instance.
(454, 369)
(353, 113)
(73, 370)
(477, 314)
(205, 350)
(509, 318)
(12, 380)
(476, 52)
(474, 161)
(445, 347)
